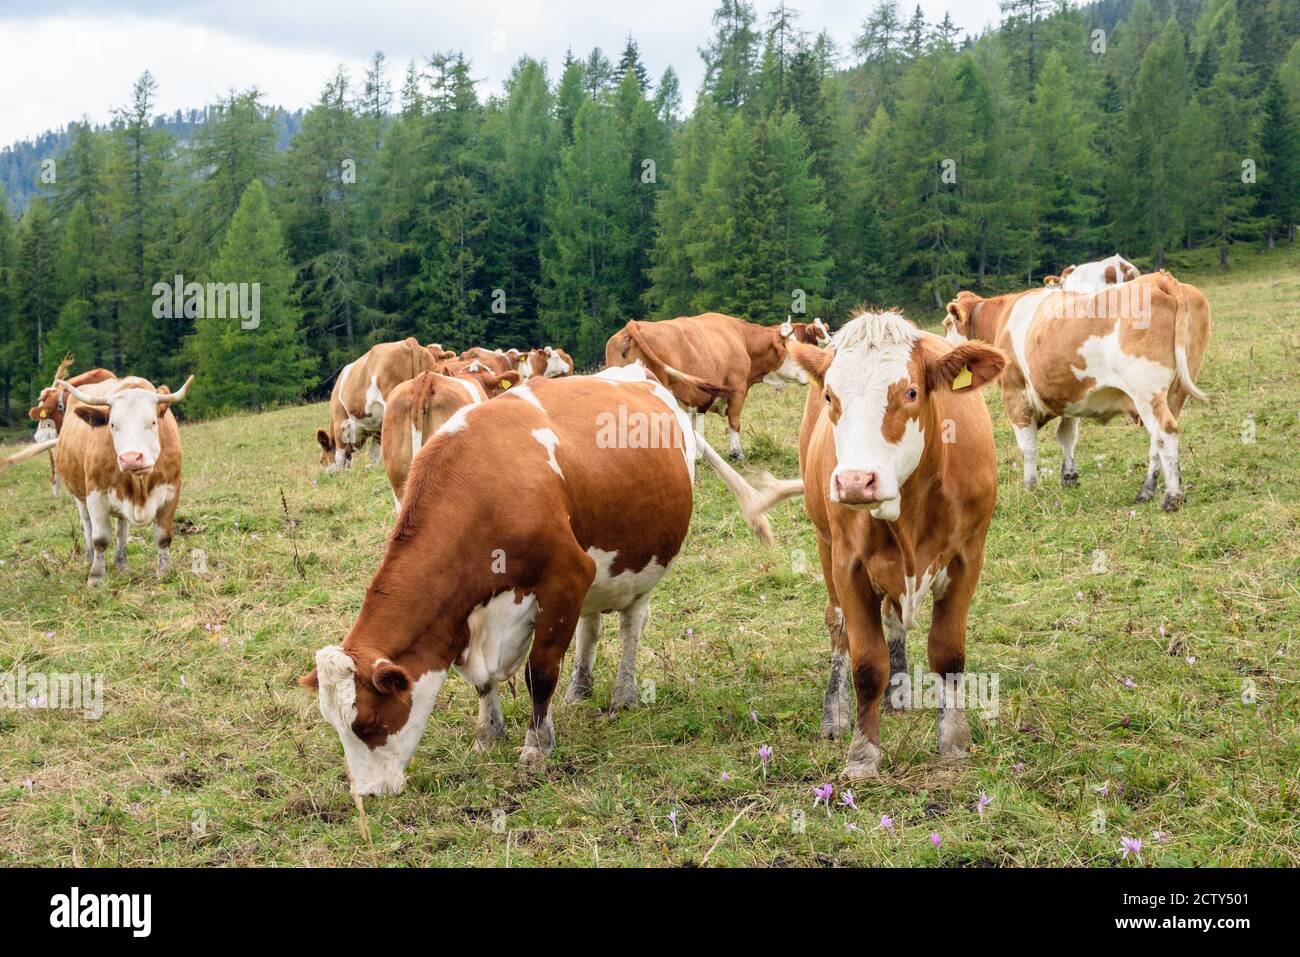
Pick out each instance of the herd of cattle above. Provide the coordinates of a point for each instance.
(898, 471)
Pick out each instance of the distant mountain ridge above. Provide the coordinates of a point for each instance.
(20, 163)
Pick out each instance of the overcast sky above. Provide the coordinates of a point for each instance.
(60, 60)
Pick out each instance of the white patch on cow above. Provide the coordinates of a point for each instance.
(417, 439)
(610, 592)
(932, 581)
(456, 421)
(549, 441)
(1023, 311)
(142, 514)
(473, 390)
(380, 770)
(500, 634)
(636, 372)
(789, 371)
(527, 394)
(1106, 362)
(343, 379)
(375, 406)
(872, 353)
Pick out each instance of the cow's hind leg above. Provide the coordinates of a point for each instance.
(123, 531)
(1162, 425)
(584, 657)
(631, 622)
(559, 607)
(101, 533)
(1152, 481)
(86, 534)
(837, 703)
(899, 695)
(1067, 434)
(491, 724)
(735, 403)
(1027, 439)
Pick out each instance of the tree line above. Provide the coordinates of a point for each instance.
(808, 178)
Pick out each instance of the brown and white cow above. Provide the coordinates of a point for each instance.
(1132, 348)
(359, 395)
(547, 362)
(119, 454)
(492, 359)
(899, 477)
(1095, 276)
(48, 411)
(472, 581)
(417, 407)
(710, 360)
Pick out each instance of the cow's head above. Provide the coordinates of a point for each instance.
(815, 333)
(557, 363)
(378, 711)
(333, 454)
(132, 416)
(878, 383)
(958, 323)
(783, 367)
(46, 414)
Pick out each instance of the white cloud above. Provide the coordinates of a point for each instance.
(69, 59)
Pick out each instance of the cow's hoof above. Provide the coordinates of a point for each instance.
(863, 760)
(579, 688)
(483, 742)
(736, 456)
(953, 734)
(1069, 479)
(834, 730)
(1145, 494)
(531, 758)
(1172, 503)
(95, 579)
(624, 697)
(119, 562)
(1031, 483)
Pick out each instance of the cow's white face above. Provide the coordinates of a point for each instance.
(133, 422)
(379, 717)
(875, 400)
(788, 370)
(45, 431)
(555, 364)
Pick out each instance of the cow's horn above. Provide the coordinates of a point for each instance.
(82, 397)
(173, 397)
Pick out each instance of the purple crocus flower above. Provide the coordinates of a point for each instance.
(984, 802)
(846, 800)
(1131, 845)
(823, 793)
(726, 776)
(936, 840)
(1129, 683)
(886, 822)
(672, 816)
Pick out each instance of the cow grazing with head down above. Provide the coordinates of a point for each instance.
(50, 405)
(1133, 348)
(710, 360)
(419, 406)
(361, 392)
(491, 359)
(899, 477)
(119, 454)
(471, 582)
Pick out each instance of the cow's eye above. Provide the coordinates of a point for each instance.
(828, 398)
(911, 394)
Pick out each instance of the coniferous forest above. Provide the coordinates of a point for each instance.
(813, 173)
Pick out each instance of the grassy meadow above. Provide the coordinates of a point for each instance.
(1125, 640)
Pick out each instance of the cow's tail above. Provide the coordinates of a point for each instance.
(1182, 334)
(423, 387)
(691, 390)
(30, 452)
(754, 503)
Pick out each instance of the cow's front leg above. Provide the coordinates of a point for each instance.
(631, 621)
(376, 452)
(1027, 440)
(947, 656)
(86, 535)
(162, 531)
(123, 531)
(1152, 481)
(491, 724)
(584, 657)
(559, 608)
(837, 702)
(899, 695)
(1067, 434)
(869, 656)
(101, 533)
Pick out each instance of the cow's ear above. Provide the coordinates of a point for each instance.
(93, 415)
(1066, 272)
(310, 680)
(1051, 280)
(967, 367)
(508, 379)
(326, 442)
(389, 678)
(812, 360)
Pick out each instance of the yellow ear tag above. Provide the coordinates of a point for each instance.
(44, 413)
(505, 384)
(963, 378)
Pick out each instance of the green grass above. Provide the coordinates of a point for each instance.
(209, 753)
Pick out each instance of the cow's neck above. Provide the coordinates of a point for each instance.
(989, 317)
